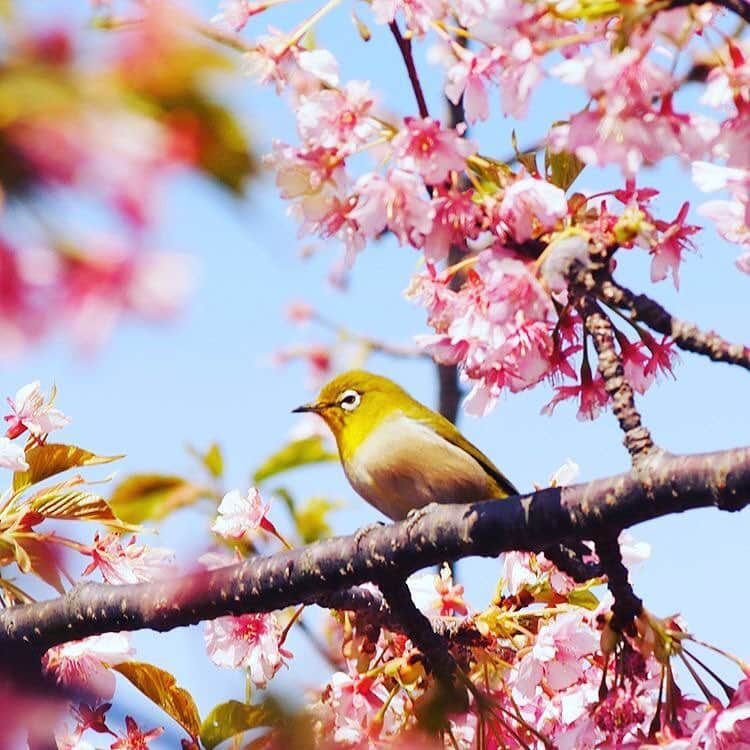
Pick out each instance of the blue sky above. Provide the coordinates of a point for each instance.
(208, 376)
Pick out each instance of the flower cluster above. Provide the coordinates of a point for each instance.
(500, 306)
(538, 671)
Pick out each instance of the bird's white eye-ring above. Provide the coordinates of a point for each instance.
(349, 400)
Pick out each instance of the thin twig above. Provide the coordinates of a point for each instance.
(404, 46)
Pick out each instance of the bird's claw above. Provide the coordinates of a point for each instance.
(365, 530)
(416, 514)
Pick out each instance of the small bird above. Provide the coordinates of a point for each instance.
(397, 453)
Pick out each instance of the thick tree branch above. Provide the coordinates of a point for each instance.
(664, 484)
(434, 647)
(685, 335)
(637, 437)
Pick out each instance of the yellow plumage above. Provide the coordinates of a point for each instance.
(397, 453)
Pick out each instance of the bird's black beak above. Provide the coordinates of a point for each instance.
(304, 408)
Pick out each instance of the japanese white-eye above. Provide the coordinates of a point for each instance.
(397, 453)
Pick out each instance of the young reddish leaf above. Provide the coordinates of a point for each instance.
(231, 718)
(53, 458)
(161, 687)
(77, 505)
(297, 453)
(151, 497)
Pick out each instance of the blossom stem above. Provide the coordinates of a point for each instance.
(294, 618)
(404, 46)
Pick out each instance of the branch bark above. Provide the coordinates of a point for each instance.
(664, 484)
(686, 335)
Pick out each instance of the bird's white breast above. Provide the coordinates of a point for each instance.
(404, 464)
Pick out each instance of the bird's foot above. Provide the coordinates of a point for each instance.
(417, 514)
(365, 530)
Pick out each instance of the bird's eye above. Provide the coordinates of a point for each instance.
(349, 400)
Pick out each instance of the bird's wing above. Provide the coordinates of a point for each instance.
(449, 431)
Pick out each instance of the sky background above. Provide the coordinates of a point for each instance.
(208, 376)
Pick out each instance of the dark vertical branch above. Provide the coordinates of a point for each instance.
(404, 46)
(627, 605)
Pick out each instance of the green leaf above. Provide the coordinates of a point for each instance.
(311, 520)
(211, 460)
(151, 497)
(53, 458)
(297, 453)
(37, 556)
(582, 596)
(562, 168)
(161, 687)
(231, 718)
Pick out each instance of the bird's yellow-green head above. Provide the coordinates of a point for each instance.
(354, 403)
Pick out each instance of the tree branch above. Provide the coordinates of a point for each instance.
(637, 437)
(686, 335)
(627, 605)
(434, 647)
(664, 484)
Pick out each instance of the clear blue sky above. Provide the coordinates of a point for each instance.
(207, 376)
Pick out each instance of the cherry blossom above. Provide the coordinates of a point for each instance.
(530, 205)
(424, 147)
(450, 597)
(12, 456)
(31, 411)
(136, 739)
(240, 515)
(337, 118)
(84, 665)
(419, 14)
(250, 641)
(397, 202)
(129, 563)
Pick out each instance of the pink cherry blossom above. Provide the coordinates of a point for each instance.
(498, 328)
(725, 728)
(236, 13)
(130, 563)
(667, 251)
(457, 219)
(398, 202)
(559, 654)
(450, 597)
(663, 355)
(31, 411)
(12, 456)
(468, 75)
(591, 393)
(419, 14)
(530, 205)
(240, 515)
(423, 146)
(337, 118)
(135, 739)
(84, 665)
(250, 641)
(635, 358)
